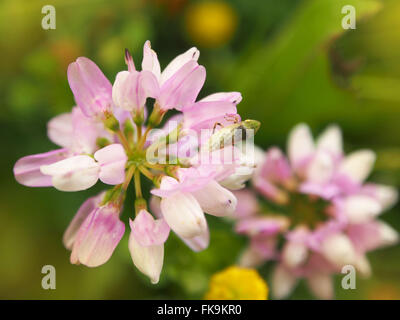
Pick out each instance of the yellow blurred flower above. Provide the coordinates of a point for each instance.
(235, 283)
(211, 23)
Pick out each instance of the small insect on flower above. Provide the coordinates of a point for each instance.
(231, 134)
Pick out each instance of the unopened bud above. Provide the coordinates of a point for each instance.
(156, 116)
(111, 123)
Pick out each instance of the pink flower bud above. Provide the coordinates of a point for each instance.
(98, 237)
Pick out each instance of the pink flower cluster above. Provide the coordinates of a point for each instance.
(106, 137)
(321, 213)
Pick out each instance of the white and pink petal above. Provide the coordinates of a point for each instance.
(149, 231)
(73, 174)
(27, 169)
(98, 237)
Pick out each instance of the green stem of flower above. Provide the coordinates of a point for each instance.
(139, 132)
(147, 173)
(112, 195)
(123, 140)
(143, 138)
(128, 178)
(138, 186)
(119, 191)
(155, 166)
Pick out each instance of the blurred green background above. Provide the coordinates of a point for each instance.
(292, 61)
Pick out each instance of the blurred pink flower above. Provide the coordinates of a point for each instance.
(330, 213)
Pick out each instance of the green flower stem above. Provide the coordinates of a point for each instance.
(139, 132)
(124, 141)
(155, 166)
(147, 173)
(138, 186)
(142, 140)
(128, 178)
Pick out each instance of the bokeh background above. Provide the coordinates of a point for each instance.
(292, 61)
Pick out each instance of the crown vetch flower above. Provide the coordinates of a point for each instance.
(146, 244)
(180, 82)
(184, 201)
(109, 136)
(211, 110)
(98, 236)
(91, 88)
(82, 172)
(132, 88)
(319, 204)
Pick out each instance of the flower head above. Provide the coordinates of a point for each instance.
(110, 136)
